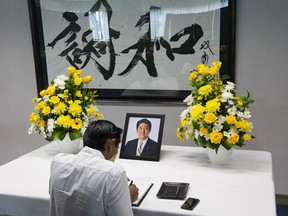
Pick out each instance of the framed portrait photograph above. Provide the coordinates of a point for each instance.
(133, 49)
(142, 136)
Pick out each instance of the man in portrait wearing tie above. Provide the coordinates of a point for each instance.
(143, 146)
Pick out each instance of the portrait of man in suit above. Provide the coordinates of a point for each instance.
(142, 137)
(143, 145)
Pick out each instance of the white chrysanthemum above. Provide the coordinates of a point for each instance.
(226, 96)
(189, 100)
(46, 98)
(233, 130)
(206, 136)
(251, 127)
(85, 124)
(230, 102)
(32, 129)
(227, 134)
(232, 110)
(240, 114)
(50, 125)
(247, 114)
(217, 127)
(230, 86)
(60, 81)
(184, 113)
(196, 133)
(221, 119)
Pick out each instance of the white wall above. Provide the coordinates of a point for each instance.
(261, 57)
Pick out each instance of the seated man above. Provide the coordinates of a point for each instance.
(88, 183)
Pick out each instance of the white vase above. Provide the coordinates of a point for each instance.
(222, 157)
(68, 146)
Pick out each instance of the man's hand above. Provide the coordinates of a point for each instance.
(133, 192)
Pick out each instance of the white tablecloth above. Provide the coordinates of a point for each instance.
(244, 187)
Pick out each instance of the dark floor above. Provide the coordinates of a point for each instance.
(282, 210)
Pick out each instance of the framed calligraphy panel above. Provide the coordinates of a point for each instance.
(133, 49)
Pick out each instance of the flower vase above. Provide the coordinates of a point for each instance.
(68, 146)
(222, 157)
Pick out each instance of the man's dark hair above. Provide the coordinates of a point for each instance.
(145, 121)
(98, 132)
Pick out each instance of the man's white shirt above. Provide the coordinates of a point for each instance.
(86, 184)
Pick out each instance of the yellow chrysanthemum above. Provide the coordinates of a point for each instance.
(205, 90)
(77, 102)
(243, 125)
(213, 70)
(50, 90)
(79, 72)
(203, 69)
(216, 137)
(64, 121)
(71, 70)
(76, 123)
(213, 105)
(183, 122)
(78, 81)
(210, 118)
(233, 139)
(33, 117)
(40, 105)
(247, 137)
(78, 94)
(231, 119)
(193, 75)
(54, 99)
(87, 79)
(197, 112)
(178, 134)
(65, 95)
(41, 123)
(204, 130)
(60, 108)
(217, 64)
(90, 110)
(75, 109)
(43, 93)
(99, 115)
(46, 110)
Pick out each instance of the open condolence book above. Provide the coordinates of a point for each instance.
(144, 184)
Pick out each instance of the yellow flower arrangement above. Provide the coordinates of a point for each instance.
(66, 106)
(215, 116)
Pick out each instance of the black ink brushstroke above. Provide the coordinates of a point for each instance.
(72, 28)
(195, 32)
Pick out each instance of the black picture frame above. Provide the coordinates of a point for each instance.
(152, 149)
(226, 51)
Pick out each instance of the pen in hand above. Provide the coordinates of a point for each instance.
(131, 183)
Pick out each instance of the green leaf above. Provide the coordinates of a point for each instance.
(227, 145)
(50, 138)
(225, 77)
(202, 141)
(60, 134)
(74, 134)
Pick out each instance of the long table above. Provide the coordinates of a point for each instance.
(243, 187)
